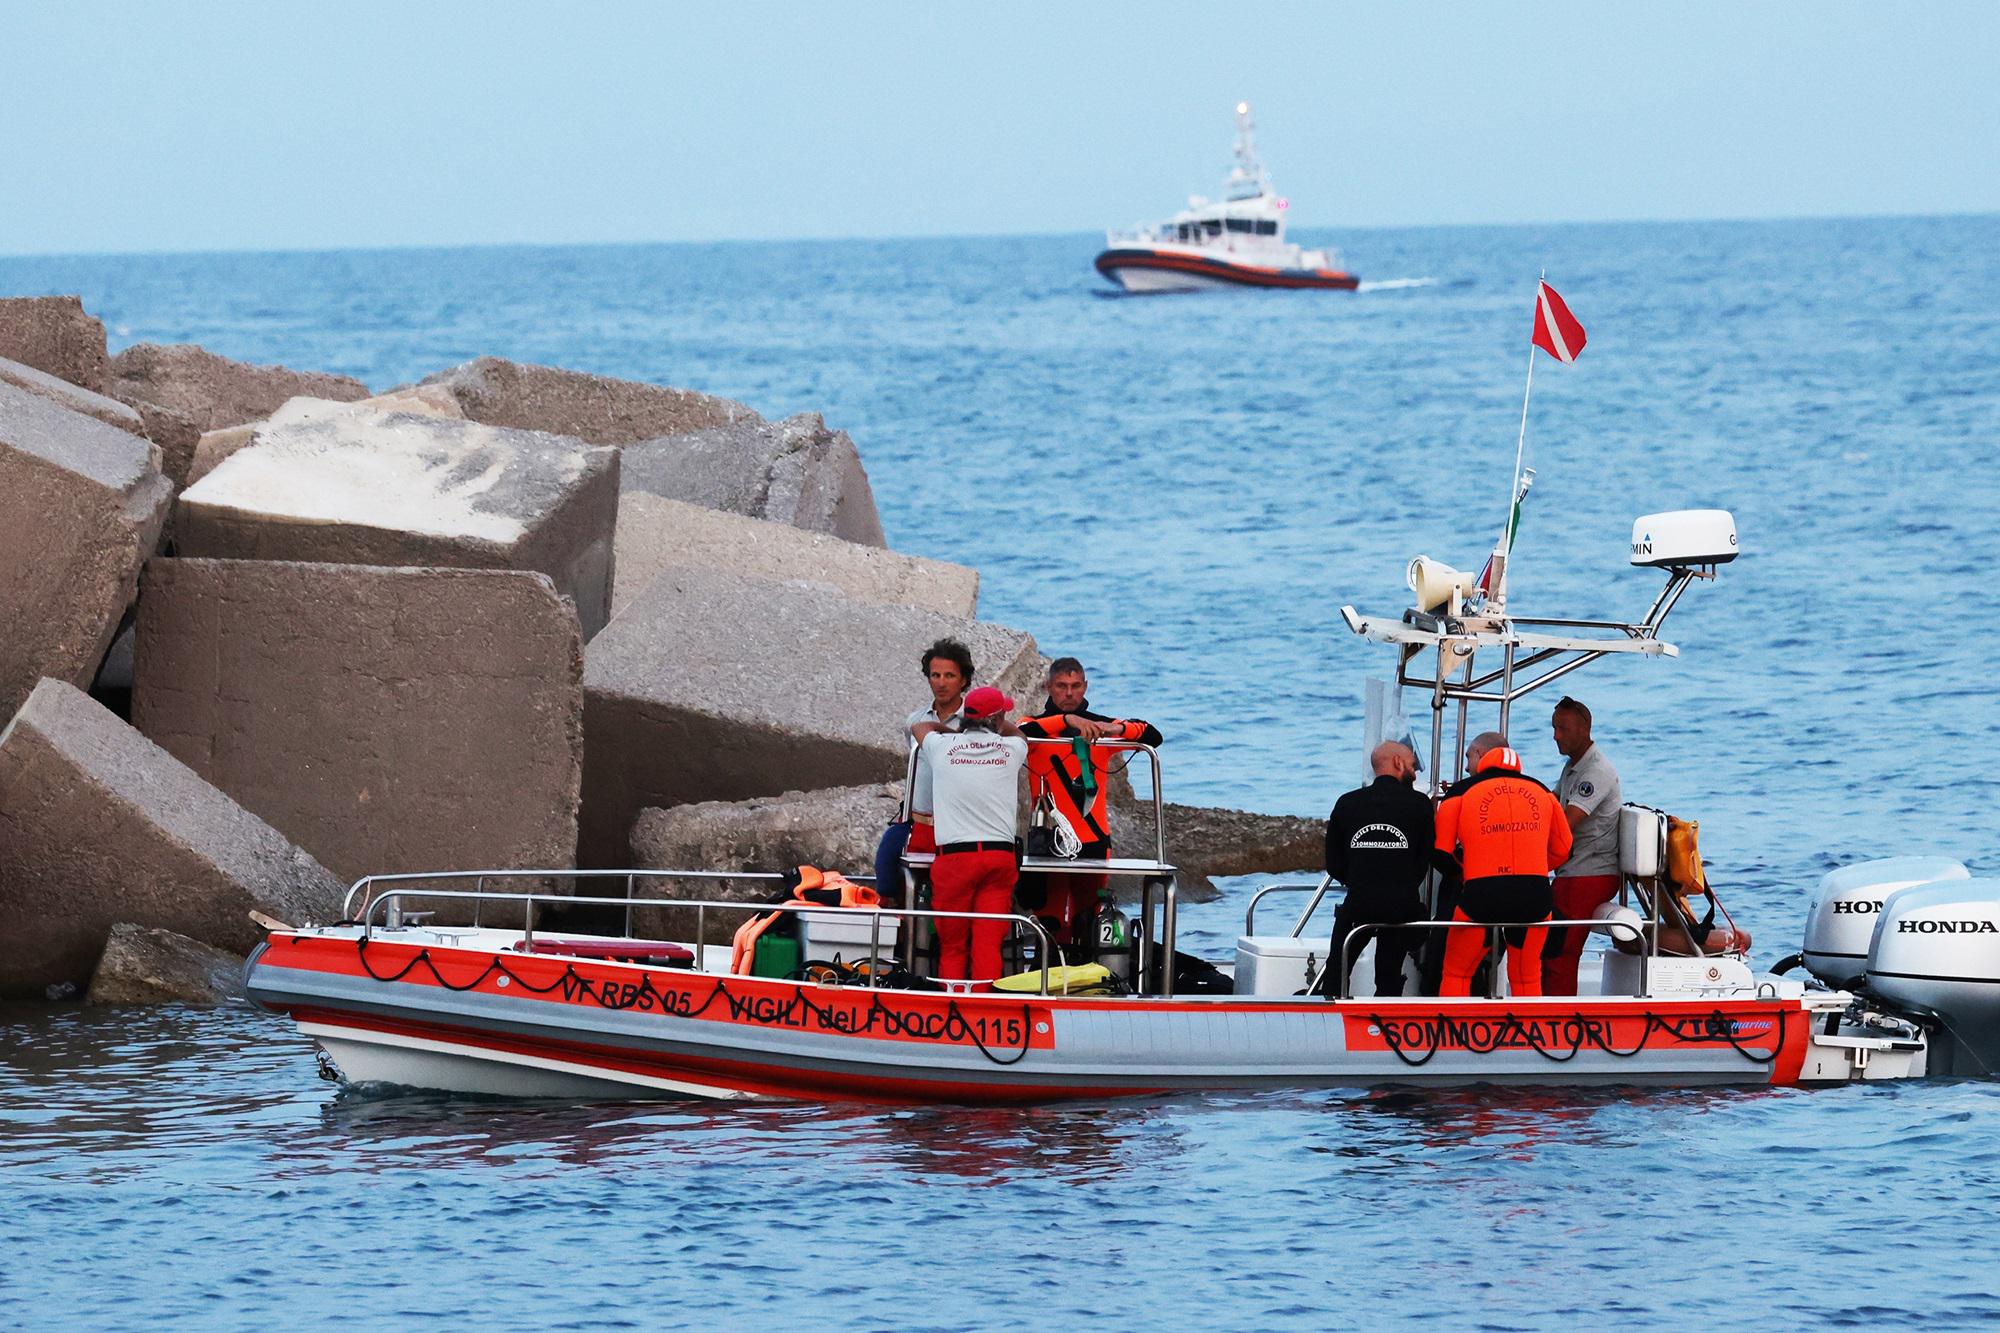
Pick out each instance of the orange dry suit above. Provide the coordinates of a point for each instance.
(1077, 786)
(824, 888)
(1506, 832)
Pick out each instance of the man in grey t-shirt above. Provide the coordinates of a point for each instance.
(1590, 796)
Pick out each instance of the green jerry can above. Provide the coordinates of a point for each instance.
(777, 953)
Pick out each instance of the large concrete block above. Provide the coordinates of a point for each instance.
(386, 720)
(793, 471)
(715, 686)
(656, 534)
(834, 829)
(82, 506)
(144, 965)
(74, 397)
(398, 488)
(98, 825)
(216, 445)
(182, 390)
(590, 407)
(55, 336)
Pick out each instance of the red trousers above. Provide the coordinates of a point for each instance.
(971, 882)
(1577, 896)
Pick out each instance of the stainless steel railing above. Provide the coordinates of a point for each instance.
(1349, 952)
(388, 906)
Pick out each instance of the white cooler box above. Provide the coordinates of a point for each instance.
(1278, 964)
(845, 932)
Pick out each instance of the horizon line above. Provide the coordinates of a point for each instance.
(857, 238)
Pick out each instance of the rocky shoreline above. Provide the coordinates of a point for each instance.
(263, 632)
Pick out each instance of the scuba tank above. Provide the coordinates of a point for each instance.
(1114, 941)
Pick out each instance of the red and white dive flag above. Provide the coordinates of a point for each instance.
(1556, 330)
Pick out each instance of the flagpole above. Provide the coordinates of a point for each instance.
(1520, 447)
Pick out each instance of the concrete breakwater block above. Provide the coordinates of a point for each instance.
(595, 408)
(54, 335)
(146, 965)
(715, 686)
(793, 471)
(74, 397)
(385, 719)
(182, 390)
(834, 829)
(82, 505)
(98, 825)
(216, 445)
(403, 489)
(656, 534)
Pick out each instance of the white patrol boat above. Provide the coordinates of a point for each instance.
(1902, 959)
(1237, 241)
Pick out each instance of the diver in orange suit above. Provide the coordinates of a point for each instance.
(1506, 832)
(1077, 789)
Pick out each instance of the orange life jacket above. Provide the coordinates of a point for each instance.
(1060, 773)
(822, 888)
(1506, 824)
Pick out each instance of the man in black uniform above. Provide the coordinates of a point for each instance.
(1378, 842)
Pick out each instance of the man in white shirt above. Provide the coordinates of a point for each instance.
(1590, 796)
(975, 782)
(947, 668)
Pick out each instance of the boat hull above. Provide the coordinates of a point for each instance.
(1143, 269)
(489, 1021)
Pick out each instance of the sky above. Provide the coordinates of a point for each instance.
(214, 126)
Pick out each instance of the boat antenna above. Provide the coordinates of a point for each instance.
(1246, 179)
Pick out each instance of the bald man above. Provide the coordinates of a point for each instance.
(1378, 842)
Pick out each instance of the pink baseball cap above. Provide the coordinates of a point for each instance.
(985, 702)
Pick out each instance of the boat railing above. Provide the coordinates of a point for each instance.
(1318, 892)
(388, 906)
(1648, 930)
(1065, 742)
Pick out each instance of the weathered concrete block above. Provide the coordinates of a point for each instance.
(216, 445)
(371, 488)
(81, 508)
(387, 720)
(656, 534)
(834, 829)
(589, 407)
(181, 390)
(143, 965)
(715, 686)
(55, 336)
(98, 825)
(793, 471)
(74, 397)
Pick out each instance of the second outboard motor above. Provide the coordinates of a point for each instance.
(1936, 952)
(1845, 907)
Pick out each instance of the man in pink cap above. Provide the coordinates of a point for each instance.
(975, 777)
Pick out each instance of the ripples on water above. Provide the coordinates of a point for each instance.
(184, 1165)
(1185, 490)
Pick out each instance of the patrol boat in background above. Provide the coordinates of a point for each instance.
(1905, 979)
(1238, 241)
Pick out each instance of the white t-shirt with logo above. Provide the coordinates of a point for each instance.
(917, 799)
(975, 784)
(1590, 783)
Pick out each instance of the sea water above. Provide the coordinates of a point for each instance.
(1182, 491)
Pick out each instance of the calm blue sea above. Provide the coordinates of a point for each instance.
(1182, 491)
